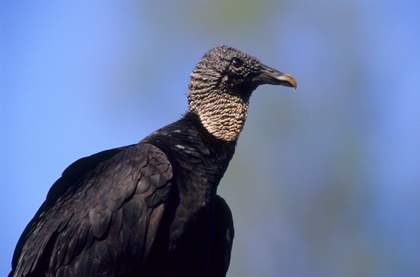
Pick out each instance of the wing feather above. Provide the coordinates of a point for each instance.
(101, 217)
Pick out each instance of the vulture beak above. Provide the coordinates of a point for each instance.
(271, 76)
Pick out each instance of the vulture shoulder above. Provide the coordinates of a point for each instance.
(108, 202)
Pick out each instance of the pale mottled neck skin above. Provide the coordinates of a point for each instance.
(222, 114)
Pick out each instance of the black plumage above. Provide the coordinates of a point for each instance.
(151, 209)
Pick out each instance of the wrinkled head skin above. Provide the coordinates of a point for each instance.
(224, 80)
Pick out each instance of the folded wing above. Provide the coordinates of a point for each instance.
(100, 217)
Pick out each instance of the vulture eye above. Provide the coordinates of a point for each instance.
(237, 63)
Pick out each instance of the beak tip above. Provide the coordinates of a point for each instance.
(289, 80)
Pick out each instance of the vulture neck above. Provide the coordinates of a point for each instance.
(222, 114)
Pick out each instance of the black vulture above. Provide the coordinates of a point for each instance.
(151, 209)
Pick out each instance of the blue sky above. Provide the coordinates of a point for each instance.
(325, 181)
